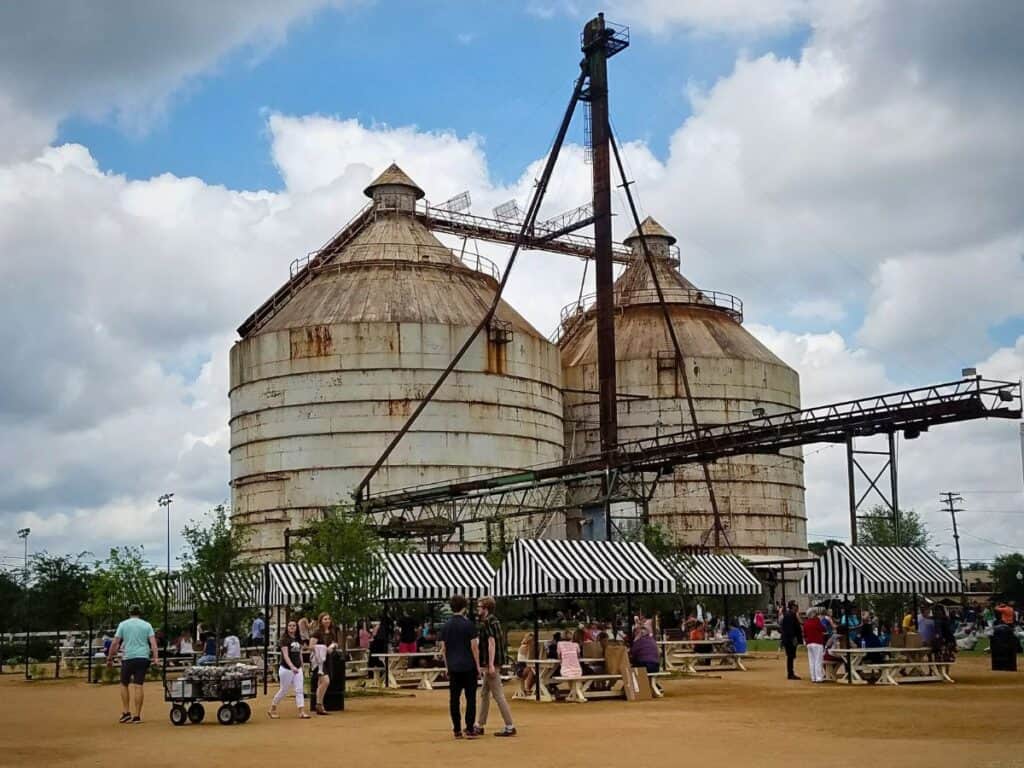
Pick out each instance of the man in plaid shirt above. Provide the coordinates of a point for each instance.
(492, 657)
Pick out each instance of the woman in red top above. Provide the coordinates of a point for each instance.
(814, 639)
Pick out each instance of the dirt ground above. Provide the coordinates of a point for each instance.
(756, 717)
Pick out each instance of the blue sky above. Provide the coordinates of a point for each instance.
(439, 70)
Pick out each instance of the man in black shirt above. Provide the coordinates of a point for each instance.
(492, 657)
(792, 636)
(460, 650)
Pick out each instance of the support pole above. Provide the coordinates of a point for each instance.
(597, 68)
(894, 490)
(266, 625)
(951, 498)
(536, 650)
(88, 662)
(852, 490)
(56, 657)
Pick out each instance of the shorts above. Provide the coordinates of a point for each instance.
(133, 671)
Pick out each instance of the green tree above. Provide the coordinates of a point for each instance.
(346, 541)
(1005, 579)
(60, 590)
(10, 601)
(213, 556)
(819, 548)
(876, 529)
(123, 579)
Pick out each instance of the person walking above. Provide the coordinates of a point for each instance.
(289, 675)
(493, 651)
(792, 636)
(814, 637)
(460, 649)
(138, 639)
(322, 643)
(259, 626)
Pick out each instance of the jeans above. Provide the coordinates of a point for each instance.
(815, 656)
(493, 687)
(790, 646)
(459, 683)
(290, 680)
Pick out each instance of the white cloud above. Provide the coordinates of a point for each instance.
(96, 59)
(818, 309)
(813, 188)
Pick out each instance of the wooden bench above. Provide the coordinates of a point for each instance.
(690, 661)
(579, 687)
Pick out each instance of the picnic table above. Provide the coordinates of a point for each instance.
(543, 681)
(398, 672)
(893, 666)
(683, 656)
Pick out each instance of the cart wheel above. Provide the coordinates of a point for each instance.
(242, 712)
(226, 714)
(196, 713)
(178, 715)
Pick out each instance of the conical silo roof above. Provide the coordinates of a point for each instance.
(396, 177)
(651, 228)
(395, 270)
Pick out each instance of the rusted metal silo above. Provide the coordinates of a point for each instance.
(760, 498)
(328, 370)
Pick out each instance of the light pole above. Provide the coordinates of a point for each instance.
(23, 535)
(165, 502)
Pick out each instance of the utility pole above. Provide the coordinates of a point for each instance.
(951, 498)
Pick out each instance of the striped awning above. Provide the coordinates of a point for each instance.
(297, 583)
(712, 575)
(242, 588)
(879, 571)
(437, 576)
(576, 567)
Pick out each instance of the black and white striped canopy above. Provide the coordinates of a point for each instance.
(437, 576)
(242, 588)
(297, 583)
(712, 575)
(574, 567)
(879, 571)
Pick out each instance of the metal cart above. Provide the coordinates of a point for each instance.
(230, 686)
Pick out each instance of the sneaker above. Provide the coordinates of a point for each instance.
(794, 677)
(471, 735)
(476, 730)
(125, 717)
(458, 734)
(136, 720)
(506, 732)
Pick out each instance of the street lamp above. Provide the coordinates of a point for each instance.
(165, 502)
(23, 535)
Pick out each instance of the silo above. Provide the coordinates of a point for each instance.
(760, 497)
(325, 375)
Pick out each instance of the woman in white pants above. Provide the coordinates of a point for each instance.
(290, 672)
(814, 639)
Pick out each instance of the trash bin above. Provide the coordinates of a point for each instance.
(1004, 647)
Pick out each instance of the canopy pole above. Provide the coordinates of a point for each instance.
(536, 650)
(266, 625)
(386, 628)
(88, 663)
(629, 616)
(849, 646)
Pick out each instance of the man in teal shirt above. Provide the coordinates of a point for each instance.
(138, 640)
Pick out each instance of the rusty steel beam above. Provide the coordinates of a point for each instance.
(485, 321)
(911, 410)
(594, 47)
(670, 326)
